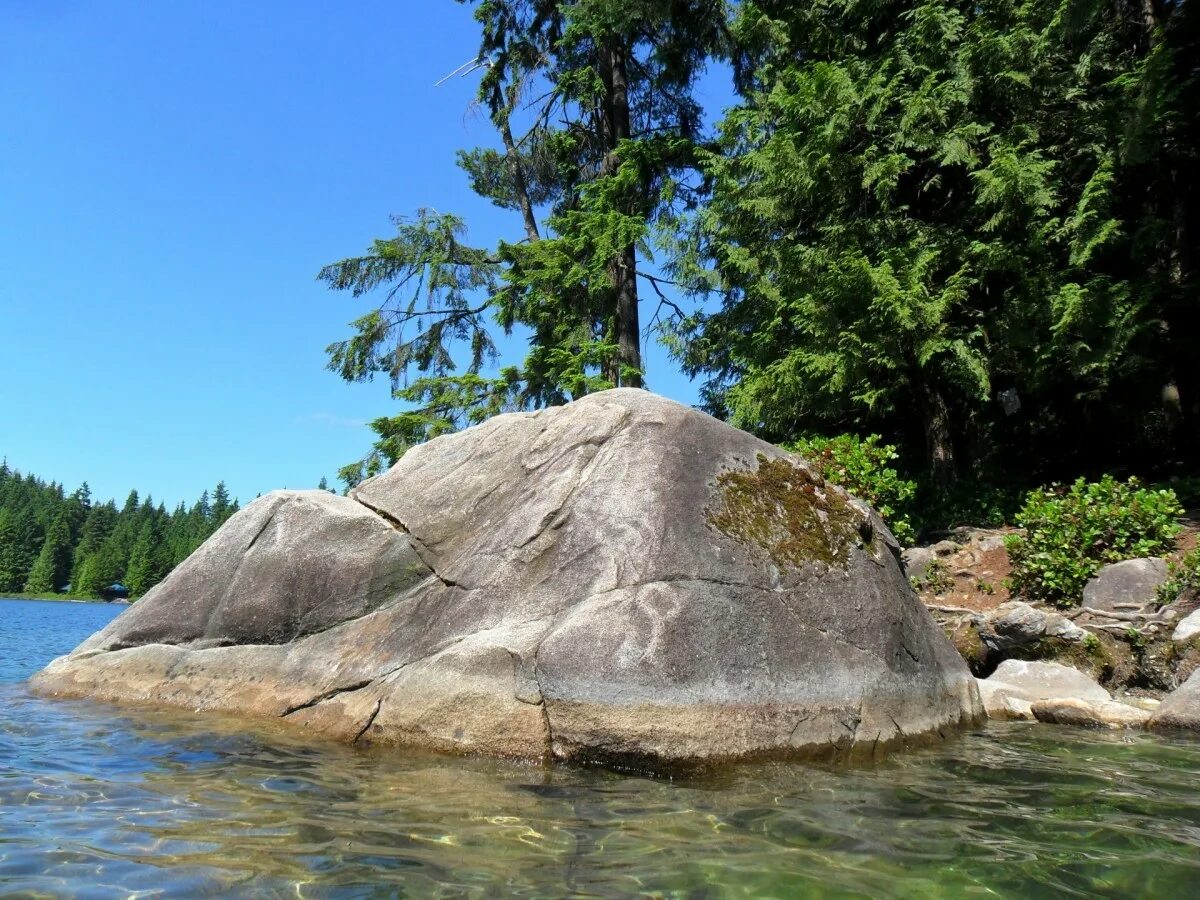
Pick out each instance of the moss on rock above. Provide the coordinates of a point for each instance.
(787, 512)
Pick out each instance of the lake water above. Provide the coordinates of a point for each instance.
(97, 801)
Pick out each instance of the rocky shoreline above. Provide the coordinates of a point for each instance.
(1121, 659)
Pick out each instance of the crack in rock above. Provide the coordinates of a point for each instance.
(423, 552)
(370, 721)
(325, 695)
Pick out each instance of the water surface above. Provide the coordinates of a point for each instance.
(98, 801)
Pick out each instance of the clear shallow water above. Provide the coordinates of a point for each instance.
(100, 801)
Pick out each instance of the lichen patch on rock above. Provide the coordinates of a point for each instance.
(787, 512)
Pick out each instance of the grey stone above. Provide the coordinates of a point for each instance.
(1181, 707)
(1132, 582)
(917, 561)
(1081, 713)
(1016, 624)
(1047, 681)
(1003, 701)
(1187, 629)
(991, 542)
(618, 578)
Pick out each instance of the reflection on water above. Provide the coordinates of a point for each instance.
(103, 800)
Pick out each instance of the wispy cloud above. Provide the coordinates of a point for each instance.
(328, 420)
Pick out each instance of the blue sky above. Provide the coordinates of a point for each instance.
(172, 177)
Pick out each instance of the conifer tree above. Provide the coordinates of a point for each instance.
(53, 564)
(597, 127)
(957, 223)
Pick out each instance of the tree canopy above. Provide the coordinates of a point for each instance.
(597, 130)
(969, 227)
(966, 225)
(50, 539)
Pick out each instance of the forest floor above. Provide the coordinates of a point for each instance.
(974, 576)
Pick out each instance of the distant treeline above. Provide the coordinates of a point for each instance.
(50, 539)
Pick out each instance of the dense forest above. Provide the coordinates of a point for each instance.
(50, 539)
(969, 227)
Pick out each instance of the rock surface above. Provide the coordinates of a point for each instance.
(1081, 713)
(1046, 681)
(1003, 701)
(1016, 624)
(1188, 628)
(620, 578)
(1181, 708)
(1125, 585)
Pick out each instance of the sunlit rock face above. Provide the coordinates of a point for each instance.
(621, 578)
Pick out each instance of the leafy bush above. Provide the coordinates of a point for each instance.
(1071, 532)
(861, 466)
(1186, 488)
(1184, 578)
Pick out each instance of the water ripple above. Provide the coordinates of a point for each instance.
(99, 801)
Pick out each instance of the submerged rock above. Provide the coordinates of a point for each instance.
(620, 578)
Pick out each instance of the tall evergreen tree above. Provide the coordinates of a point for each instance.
(597, 127)
(949, 221)
(52, 567)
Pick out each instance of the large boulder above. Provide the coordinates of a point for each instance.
(620, 578)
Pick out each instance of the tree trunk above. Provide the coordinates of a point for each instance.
(516, 172)
(623, 268)
(939, 445)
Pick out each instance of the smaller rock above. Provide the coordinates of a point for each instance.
(1187, 629)
(917, 561)
(1181, 708)
(1048, 681)
(1016, 624)
(1001, 701)
(946, 548)
(1073, 711)
(1150, 704)
(1132, 582)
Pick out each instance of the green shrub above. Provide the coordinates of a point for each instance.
(862, 466)
(1184, 578)
(1186, 488)
(1071, 532)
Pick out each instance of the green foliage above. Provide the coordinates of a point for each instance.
(1184, 578)
(48, 539)
(593, 108)
(969, 502)
(863, 466)
(1071, 532)
(919, 207)
(936, 579)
